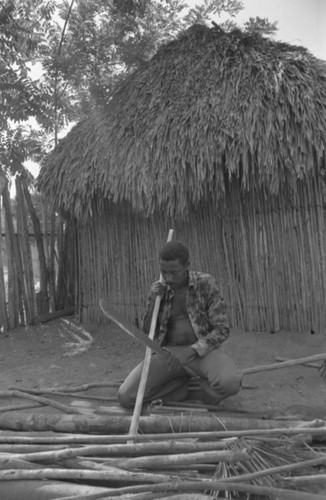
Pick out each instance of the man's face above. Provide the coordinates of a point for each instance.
(174, 273)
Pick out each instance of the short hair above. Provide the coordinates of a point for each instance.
(175, 250)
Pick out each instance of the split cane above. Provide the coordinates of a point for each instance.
(143, 379)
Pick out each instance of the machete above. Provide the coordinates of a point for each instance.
(137, 334)
(131, 329)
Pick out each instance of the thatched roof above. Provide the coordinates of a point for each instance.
(208, 108)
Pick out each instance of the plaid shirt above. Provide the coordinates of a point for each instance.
(206, 310)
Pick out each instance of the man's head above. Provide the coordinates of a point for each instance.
(174, 263)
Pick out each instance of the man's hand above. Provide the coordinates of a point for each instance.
(181, 358)
(157, 288)
(185, 355)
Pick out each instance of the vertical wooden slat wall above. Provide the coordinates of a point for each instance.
(15, 287)
(4, 323)
(26, 255)
(268, 255)
(19, 300)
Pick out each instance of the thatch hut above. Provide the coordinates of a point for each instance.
(221, 136)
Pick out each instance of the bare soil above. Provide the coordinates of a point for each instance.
(58, 354)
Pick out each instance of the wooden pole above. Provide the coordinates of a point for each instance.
(43, 301)
(26, 254)
(16, 288)
(284, 364)
(27, 432)
(4, 321)
(143, 380)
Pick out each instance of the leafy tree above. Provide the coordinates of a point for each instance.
(261, 25)
(85, 47)
(23, 24)
(18, 144)
(107, 39)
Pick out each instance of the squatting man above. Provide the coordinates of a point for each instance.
(192, 325)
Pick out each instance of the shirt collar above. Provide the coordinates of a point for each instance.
(191, 279)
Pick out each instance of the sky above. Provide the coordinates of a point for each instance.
(300, 22)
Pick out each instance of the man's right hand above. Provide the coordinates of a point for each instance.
(172, 362)
(157, 288)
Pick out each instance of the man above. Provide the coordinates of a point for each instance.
(192, 324)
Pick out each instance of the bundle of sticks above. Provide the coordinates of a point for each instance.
(195, 465)
(198, 459)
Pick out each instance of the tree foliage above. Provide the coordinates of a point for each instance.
(83, 47)
(261, 25)
(22, 27)
(106, 40)
(18, 144)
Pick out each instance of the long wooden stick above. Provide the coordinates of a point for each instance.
(68, 389)
(90, 439)
(39, 399)
(319, 460)
(216, 485)
(109, 474)
(143, 380)
(311, 365)
(284, 364)
(118, 450)
(160, 461)
(313, 480)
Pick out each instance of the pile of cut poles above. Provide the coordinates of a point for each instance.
(91, 448)
(183, 455)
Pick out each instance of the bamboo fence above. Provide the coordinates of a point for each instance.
(21, 302)
(268, 254)
(4, 320)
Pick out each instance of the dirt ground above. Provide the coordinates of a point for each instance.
(58, 354)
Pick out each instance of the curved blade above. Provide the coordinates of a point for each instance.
(130, 329)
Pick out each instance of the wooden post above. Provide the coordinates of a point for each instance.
(16, 289)
(43, 306)
(4, 323)
(143, 380)
(26, 255)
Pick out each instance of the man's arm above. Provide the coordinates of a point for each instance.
(216, 318)
(148, 315)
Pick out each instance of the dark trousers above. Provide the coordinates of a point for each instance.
(216, 370)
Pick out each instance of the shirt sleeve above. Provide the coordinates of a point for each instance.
(147, 315)
(217, 321)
